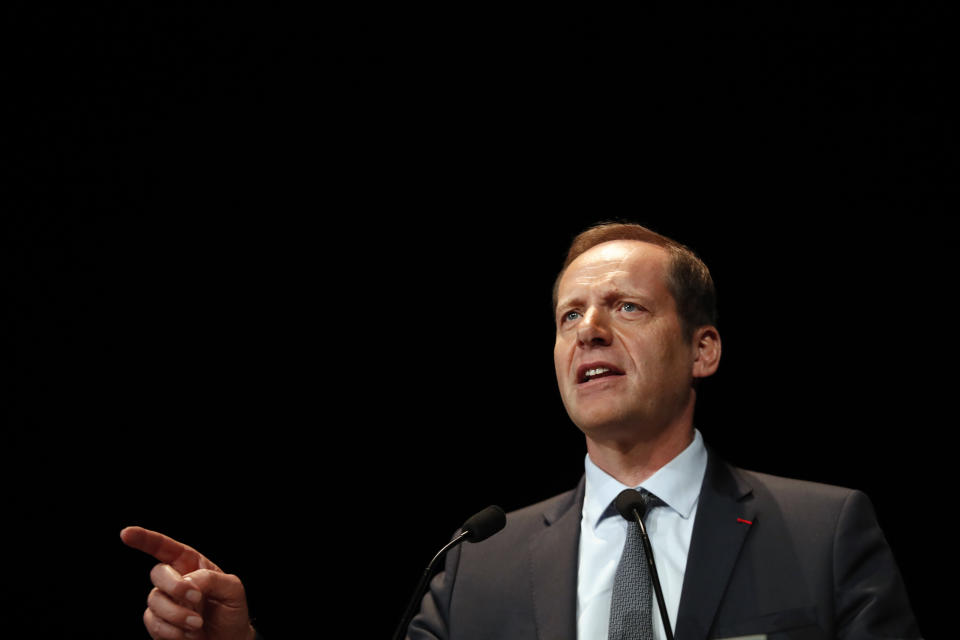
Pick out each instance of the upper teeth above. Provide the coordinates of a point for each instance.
(595, 372)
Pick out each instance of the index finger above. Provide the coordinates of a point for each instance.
(165, 549)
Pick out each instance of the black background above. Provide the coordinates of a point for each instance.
(278, 283)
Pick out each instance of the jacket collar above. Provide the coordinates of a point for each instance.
(554, 556)
(724, 518)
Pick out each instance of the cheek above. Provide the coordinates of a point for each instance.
(655, 358)
(677, 364)
(559, 357)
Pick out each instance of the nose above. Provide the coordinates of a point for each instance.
(594, 329)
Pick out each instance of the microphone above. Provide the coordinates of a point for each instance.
(477, 528)
(629, 503)
(481, 526)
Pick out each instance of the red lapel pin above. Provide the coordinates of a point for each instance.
(744, 521)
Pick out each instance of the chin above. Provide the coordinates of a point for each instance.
(617, 425)
(599, 426)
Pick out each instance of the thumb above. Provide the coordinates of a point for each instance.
(224, 610)
(223, 588)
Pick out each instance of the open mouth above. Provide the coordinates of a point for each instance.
(587, 373)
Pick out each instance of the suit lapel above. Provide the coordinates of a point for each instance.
(554, 556)
(722, 524)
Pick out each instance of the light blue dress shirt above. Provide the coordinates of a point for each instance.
(669, 527)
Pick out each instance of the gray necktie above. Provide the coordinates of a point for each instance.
(631, 607)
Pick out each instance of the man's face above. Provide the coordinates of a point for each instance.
(622, 363)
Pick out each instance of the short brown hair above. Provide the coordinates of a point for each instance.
(688, 279)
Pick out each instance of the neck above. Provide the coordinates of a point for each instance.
(634, 460)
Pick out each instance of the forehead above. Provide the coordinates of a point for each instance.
(618, 263)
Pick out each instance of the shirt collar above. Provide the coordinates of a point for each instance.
(677, 483)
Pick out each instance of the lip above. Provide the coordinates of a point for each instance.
(583, 368)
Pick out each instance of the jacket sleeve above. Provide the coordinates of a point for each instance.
(871, 599)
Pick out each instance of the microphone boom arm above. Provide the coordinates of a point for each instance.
(478, 527)
(648, 550)
(414, 603)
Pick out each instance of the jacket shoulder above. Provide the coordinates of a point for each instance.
(548, 509)
(781, 485)
(803, 502)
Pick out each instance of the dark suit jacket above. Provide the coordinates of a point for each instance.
(769, 555)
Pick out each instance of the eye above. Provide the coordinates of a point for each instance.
(570, 316)
(630, 307)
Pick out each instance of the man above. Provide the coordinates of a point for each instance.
(738, 553)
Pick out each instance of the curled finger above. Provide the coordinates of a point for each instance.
(169, 581)
(172, 613)
(160, 629)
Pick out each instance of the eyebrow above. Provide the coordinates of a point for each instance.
(607, 296)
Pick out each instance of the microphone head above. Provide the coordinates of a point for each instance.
(627, 501)
(482, 525)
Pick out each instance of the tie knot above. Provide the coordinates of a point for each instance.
(650, 501)
(629, 499)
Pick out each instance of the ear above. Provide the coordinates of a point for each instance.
(706, 351)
